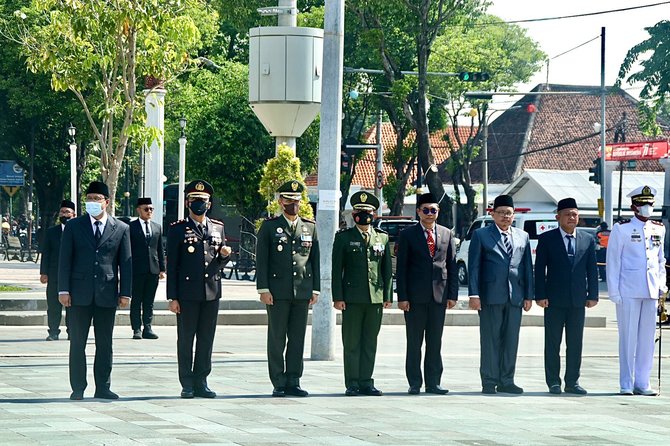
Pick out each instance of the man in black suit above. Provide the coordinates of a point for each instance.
(566, 281)
(49, 269)
(94, 277)
(427, 284)
(500, 284)
(196, 255)
(146, 242)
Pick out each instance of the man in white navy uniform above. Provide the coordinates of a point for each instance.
(635, 280)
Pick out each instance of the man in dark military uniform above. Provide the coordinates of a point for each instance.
(362, 284)
(288, 281)
(196, 253)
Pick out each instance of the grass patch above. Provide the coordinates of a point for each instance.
(12, 288)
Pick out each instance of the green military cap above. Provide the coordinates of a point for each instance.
(364, 201)
(291, 189)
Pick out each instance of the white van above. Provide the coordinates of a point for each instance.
(533, 223)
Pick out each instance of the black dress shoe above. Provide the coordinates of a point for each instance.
(437, 390)
(77, 395)
(148, 333)
(278, 392)
(137, 334)
(204, 392)
(351, 391)
(53, 337)
(575, 390)
(510, 388)
(371, 391)
(187, 393)
(106, 394)
(555, 389)
(296, 391)
(414, 390)
(489, 389)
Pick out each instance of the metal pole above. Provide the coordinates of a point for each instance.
(182, 176)
(126, 194)
(30, 194)
(327, 218)
(73, 175)
(288, 19)
(605, 189)
(379, 176)
(485, 164)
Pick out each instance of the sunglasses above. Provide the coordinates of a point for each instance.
(148, 209)
(427, 211)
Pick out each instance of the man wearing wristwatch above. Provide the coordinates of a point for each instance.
(196, 253)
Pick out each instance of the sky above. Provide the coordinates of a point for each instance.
(582, 66)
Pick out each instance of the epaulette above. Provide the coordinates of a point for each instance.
(657, 223)
(271, 218)
(381, 230)
(623, 221)
(218, 222)
(183, 220)
(342, 230)
(308, 220)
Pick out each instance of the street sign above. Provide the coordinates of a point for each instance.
(642, 150)
(11, 190)
(380, 179)
(11, 174)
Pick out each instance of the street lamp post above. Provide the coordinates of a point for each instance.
(182, 168)
(620, 136)
(72, 131)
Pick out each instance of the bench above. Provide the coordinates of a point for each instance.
(13, 248)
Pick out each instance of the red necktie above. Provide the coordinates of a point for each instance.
(431, 242)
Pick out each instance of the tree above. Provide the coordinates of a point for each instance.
(98, 49)
(485, 44)
(655, 74)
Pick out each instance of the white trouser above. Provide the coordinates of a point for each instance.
(636, 319)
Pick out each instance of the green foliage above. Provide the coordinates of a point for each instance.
(652, 54)
(277, 171)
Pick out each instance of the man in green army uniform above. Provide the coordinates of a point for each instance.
(288, 281)
(362, 285)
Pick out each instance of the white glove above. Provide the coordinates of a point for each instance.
(615, 299)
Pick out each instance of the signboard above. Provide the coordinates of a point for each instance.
(544, 226)
(645, 150)
(11, 174)
(380, 179)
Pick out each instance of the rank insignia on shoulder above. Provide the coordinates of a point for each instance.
(271, 218)
(218, 222)
(308, 220)
(183, 220)
(656, 222)
(623, 221)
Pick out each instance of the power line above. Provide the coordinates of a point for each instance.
(578, 46)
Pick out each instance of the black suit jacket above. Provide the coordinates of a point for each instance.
(419, 276)
(147, 258)
(93, 273)
(565, 284)
(50, 250)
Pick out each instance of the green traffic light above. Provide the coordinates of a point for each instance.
(466, 76)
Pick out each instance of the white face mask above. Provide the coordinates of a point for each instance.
(93, 208)
(646, 210)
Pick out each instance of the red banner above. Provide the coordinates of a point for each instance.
(645, 150)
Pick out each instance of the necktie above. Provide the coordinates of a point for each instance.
(507, 243)
(147, 232)
(97, 233)
(431, 242)
(366, 237)
(571, 247)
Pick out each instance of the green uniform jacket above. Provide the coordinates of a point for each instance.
(288, 265)
(362, 274)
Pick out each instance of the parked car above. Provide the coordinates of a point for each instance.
(393, 225)
(533, 223)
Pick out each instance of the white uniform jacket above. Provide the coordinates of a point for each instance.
(635, 260)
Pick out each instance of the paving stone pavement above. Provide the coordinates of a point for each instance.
(35, 409)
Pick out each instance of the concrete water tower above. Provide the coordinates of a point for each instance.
(285, 74)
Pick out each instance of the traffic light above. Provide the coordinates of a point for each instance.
(595, 171)
(471, 76)
(345, 163)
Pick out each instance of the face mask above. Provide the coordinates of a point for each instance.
(93, 208)
(63, 219)
(363, 218)
(198, 207)
(646, 210)
(291, 209)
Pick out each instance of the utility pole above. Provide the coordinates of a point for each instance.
(605, 189)
(327, 218)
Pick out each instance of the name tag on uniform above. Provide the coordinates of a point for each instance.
(635, 237)
(357, 244)
(305, 237)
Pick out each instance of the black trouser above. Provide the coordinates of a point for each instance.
(197, 319)
(80, 318)
(499, 341)
(360, 328)
(287, 323)
(144, 293)
(425, 319)
(54, 310)
(555, 319)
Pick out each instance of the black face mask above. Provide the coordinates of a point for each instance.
(198, 207)
(291, 209)
(363, 218)
(63, 219)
